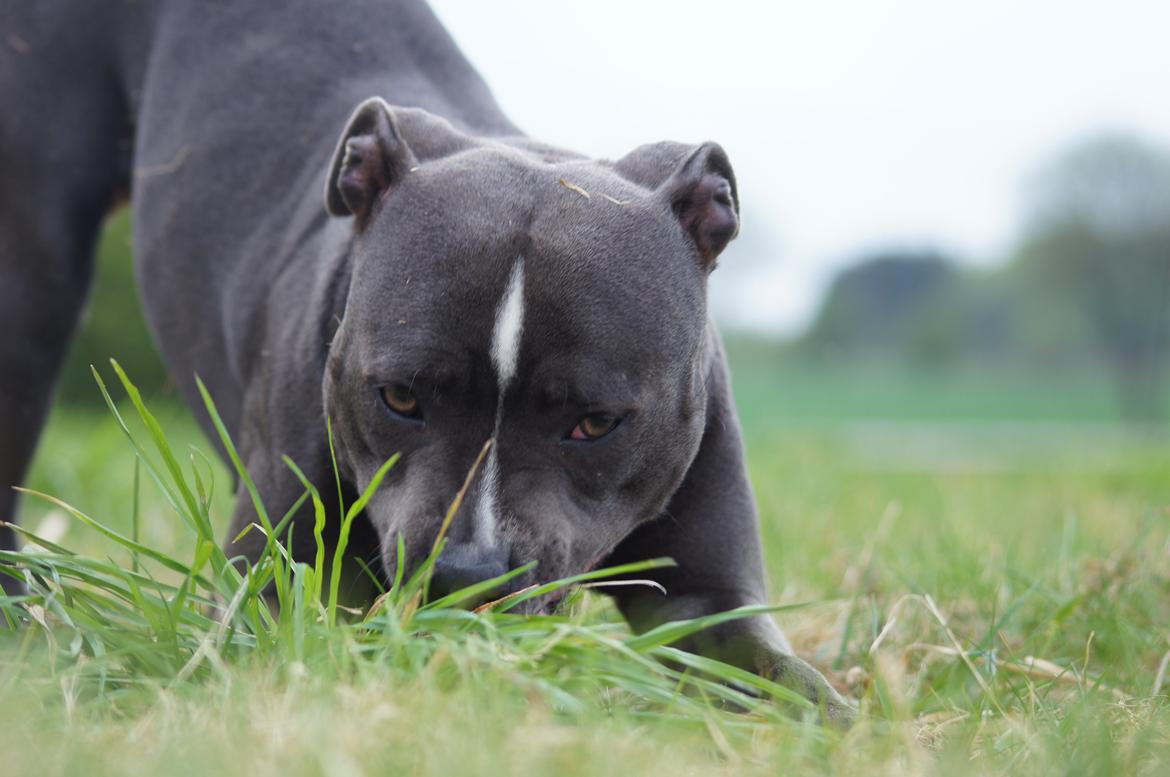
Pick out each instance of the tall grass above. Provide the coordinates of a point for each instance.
(167, 619)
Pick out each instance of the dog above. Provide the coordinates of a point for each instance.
(460, 283)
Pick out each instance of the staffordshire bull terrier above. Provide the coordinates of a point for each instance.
(460, 283)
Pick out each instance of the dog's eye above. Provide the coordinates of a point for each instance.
(594, 427)
(401, 401)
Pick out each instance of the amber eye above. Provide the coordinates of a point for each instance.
(594, 427)
(401, 401)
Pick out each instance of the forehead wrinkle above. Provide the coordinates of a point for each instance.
(412, 362)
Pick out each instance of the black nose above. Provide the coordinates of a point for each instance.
(463, 564)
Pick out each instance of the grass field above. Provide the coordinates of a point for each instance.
(983, 563)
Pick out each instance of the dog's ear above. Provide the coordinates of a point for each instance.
(371, 157)
(703, 197)
(698, 184)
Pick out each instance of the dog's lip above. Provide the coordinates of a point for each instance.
(534, 606)
(553, 599)
(550, 605)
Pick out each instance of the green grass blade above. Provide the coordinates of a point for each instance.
(343, 535)
(598, 574)
(673, 631)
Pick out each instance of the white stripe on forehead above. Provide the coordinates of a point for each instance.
(509, 324)
(505, 355)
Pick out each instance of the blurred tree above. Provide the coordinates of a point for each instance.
(1100, 236)
(896, 302)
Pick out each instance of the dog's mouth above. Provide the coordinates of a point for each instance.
(548, 604)
(549, 607)
(545, 604)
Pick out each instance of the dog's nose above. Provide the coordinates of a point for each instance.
(463, 564)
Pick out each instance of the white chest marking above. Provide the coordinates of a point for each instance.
(505, 354)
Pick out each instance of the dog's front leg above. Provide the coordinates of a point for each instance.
(754, 643)
(710, 529)
(284, 419)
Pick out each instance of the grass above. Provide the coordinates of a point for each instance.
(996, 595)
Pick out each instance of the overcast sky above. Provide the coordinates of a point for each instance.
(850, 124)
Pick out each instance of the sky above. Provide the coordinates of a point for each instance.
(852, 126)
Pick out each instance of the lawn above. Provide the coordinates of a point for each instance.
(987, 572)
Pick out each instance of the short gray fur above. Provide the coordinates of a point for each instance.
(220, 120)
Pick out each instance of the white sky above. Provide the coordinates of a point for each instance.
(850, 124)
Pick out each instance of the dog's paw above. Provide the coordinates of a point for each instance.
(840, 713)
(835, 710)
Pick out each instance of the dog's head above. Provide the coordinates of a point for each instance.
(553, 305)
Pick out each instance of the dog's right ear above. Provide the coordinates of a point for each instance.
(370, 159)
(698, 184)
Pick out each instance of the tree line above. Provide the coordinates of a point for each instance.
(1086, 287)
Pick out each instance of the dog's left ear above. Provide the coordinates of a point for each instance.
(699, 185)
(370, 159)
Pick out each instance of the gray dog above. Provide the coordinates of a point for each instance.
(461, 283)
